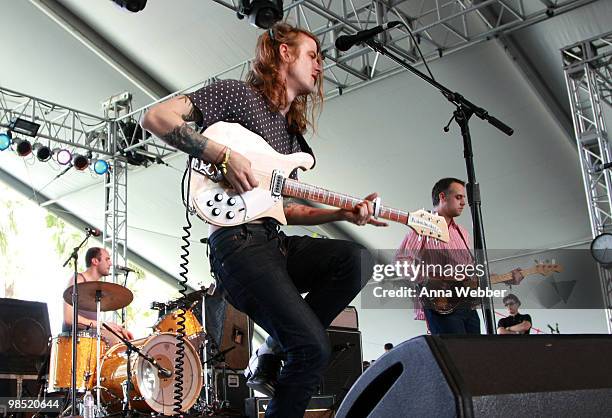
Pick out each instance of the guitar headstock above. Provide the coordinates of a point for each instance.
(546, 269)
(427, 224)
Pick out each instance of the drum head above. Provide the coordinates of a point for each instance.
(158, 391)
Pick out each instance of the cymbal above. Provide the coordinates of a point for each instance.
(113, 296)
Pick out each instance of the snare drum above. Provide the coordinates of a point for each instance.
(60, 363)
(150, 392)
(193, 329)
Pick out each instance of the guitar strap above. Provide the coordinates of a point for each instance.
(467, 246)
(305, 147)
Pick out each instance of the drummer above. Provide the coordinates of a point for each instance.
(98, 263)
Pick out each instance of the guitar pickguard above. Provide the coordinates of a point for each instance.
(225, 207)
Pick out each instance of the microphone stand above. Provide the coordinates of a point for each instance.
(123, 310)
(162, 371)
(462, 114)
(74, 256)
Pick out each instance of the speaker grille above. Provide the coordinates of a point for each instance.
(346, 363)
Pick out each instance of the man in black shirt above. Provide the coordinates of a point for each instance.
(261, 270)
(514, 323)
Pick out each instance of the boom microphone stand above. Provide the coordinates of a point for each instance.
(75, 317)
(462, 114)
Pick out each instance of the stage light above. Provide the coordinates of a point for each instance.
(80, 162)
(25, 127)
(43, 152)
(100, 167)
(62, 156)
(5, 140)
(261, 13)
(132, 5)
(23, 147)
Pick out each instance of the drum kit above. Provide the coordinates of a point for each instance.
(133, 376)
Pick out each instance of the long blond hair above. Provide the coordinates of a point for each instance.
(264, 76)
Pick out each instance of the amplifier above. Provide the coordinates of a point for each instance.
(231, 389)
(346, 364)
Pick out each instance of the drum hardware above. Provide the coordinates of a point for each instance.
(106, 297)
(127, 383)
(151, 392)
(74, 256)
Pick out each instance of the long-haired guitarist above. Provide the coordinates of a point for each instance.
(263, 271)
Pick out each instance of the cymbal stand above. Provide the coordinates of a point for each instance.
(204, 350)
(98, 349)
(74, 256)
(127, 384)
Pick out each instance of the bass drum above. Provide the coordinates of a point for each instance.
(150, 392)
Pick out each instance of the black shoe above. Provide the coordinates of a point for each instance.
(262, 373)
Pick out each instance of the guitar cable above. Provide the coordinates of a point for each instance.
(184, 271)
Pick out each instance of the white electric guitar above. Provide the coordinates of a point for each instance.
(218, 204)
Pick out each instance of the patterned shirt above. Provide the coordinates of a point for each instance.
(235, 101)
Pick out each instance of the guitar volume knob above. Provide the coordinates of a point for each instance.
(230, 215)
(210, 203)
(216, 212)
(218, 197)
(231, 201)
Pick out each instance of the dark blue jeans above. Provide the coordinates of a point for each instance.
(461, 321)
(263, 272)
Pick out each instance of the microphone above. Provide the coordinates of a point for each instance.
(124, 269)
(345, 42)
(601, 167)
(93, 231)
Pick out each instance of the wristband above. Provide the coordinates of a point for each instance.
(225, 162)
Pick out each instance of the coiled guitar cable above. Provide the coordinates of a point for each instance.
(184, 270)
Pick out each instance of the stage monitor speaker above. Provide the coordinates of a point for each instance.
(487, 376)
(24, 336)
(345, 365)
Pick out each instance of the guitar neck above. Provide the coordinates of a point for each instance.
(508, 276)
(293, 188)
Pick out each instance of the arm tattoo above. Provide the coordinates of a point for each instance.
(288, 202)
(187, 140)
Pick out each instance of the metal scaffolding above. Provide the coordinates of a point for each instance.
(441, 27)
(588, 70)
(63, 127)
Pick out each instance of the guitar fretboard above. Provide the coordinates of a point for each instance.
(293, 188)
(500, 278)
